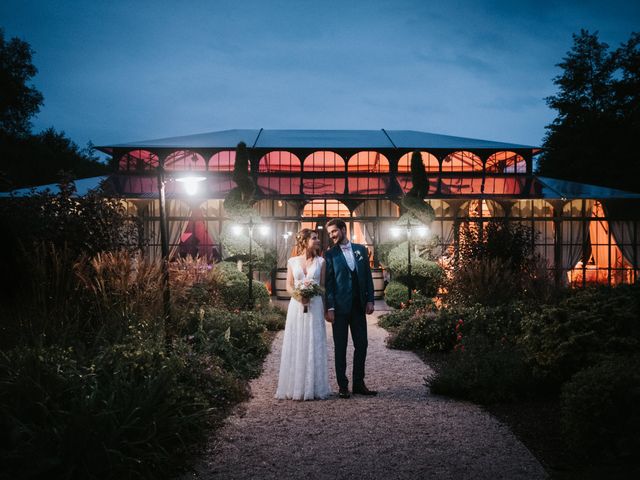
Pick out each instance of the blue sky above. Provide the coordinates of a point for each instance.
(117, 71)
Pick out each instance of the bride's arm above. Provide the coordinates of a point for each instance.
(323, 272)
(290, 286)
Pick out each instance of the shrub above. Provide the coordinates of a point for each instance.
(236, 338)
(396, 294)
(484, 372)
(121, 292)
(426, 331)
(559, 340)
(273, 318)
(487, 281)
(395, 318)
(426, 275)
(429, 330)
(496, 264)
(233, 286)
(132, 410)
(600, 418)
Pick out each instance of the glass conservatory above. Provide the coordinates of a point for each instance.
(586, 234)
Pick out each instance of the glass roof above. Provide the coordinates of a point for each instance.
(564, 189)
(323, 139)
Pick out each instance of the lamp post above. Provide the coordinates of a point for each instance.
(191, 187)
(408, 226)
(264, 230)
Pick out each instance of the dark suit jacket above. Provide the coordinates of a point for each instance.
(338, 281)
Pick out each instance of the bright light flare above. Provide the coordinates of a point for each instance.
(422, 231)
(191, 183)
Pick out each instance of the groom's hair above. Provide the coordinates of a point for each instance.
(337, 222)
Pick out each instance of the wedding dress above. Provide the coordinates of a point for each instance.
(304, 373)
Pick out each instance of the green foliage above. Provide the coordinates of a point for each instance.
(600, 418)
(439, 330)
(562, 339)
(273, 318)
(417, 211)
(20, 101)
(240, 197)
(27, 159)
(597, 114)
(383, 251)
(425, 331)
(426, 275)
(45, 158)
(497, 265)
(92, 390)
(236, 245)
(233, 286)
(484, 372)
(396, 318)
(118, 414)
(237, 338)
(396, 294)
(84, 225)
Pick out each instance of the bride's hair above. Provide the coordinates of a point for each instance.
(302, 238)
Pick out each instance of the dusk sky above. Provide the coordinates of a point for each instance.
(117, 71)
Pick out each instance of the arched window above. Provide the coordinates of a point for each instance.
(326, 208)
(370, 162)
(139, 160)
(279, 161)
(506, 162)
(185, 160)
(462, 161)
(481, 209)
(223, 161)
(324, 161)
(429, 161)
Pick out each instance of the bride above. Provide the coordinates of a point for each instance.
(303, 366)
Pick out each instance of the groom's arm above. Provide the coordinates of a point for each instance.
(330, 282)
(370, 291)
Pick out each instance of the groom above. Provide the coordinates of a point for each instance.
(349, 292)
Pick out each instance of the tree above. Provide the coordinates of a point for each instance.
(27, 159)
(40, 159)
(19, 101)
(590, 140)
(627, 97)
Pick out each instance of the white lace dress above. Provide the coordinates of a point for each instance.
(304, 372)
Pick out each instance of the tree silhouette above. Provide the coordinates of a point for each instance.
(19, 101)
(592, 138)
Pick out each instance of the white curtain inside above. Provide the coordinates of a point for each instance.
(544, 243)
(285, 247)
(624, 235)
(573, 235)
(176, 227)
(179, 214)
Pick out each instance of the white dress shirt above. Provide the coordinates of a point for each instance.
(347, 251)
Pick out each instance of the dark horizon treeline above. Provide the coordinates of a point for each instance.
(27, 158)
(594, 137)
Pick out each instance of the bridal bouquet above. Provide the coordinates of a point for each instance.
(306, 289)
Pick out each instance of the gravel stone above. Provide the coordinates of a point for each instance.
(404, 432)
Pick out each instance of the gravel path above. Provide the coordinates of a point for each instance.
(404, 432)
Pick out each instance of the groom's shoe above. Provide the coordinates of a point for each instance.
(343, 393)
(363, 390)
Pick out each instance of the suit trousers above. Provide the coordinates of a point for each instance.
(356, 321)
